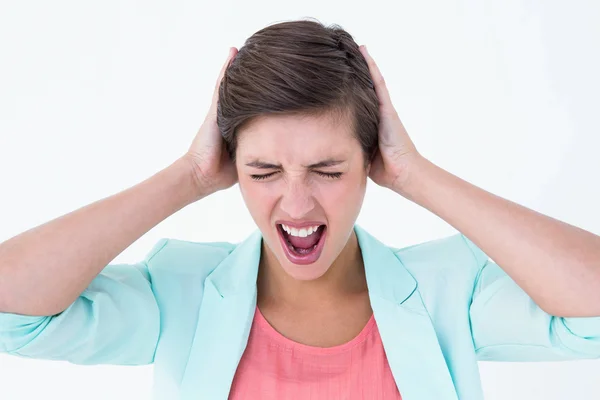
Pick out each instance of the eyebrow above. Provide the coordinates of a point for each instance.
(330, 162)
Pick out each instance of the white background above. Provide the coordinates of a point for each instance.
(95, 98)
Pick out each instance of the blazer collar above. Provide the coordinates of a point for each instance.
(238, 272)
(229, 302)
(386, 275)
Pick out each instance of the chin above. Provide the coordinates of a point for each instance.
(305, 272)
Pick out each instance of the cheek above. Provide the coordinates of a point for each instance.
(258, 198)
(341, 199)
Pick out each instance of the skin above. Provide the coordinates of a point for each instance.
(289, 190)
(556, 264)
(294, 192)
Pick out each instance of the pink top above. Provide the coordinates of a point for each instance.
(275, 367)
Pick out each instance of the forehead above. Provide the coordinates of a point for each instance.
(295, 137)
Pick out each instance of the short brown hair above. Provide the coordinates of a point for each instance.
(299, 67)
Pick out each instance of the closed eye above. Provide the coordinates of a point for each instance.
(331, 175)
(261, 177)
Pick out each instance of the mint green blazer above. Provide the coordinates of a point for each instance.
(187, 307)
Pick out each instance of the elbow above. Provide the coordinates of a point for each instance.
(581, 307)
(15, 303)
(579, 298)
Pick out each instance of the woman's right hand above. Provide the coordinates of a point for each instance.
(212, 166)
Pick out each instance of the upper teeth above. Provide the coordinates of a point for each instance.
(302, 232)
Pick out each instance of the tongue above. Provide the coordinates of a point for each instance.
(305, 242)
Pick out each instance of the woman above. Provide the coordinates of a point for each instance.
(310, 306)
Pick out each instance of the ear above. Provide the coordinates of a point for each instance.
(370, 163)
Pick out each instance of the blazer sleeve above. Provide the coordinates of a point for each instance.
(507, 325)
(115, 320)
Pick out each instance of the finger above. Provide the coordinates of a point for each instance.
(230, 56)
(385, 102)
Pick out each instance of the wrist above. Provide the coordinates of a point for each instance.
(414, 174)
(194, 187)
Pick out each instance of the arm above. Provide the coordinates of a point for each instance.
(540, 302)
(60, 300)
(56, 261)
(556, 264)
(507, 325)
(115, 320)
(87, 240)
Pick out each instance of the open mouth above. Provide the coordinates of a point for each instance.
(302, 246)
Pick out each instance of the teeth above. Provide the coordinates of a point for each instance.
(303, 232)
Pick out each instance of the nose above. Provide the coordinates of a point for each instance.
(297, 201)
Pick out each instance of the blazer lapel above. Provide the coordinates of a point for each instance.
(224, 321)
(408, 336)
(229, 303)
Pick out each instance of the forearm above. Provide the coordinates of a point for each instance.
(557, 264)
(43, 270)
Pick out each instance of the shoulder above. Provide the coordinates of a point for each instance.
(177, 256)
(446, 270)
(454, 253)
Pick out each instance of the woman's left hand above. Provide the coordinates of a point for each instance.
(397, 154)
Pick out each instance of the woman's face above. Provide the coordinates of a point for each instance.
(297, 173)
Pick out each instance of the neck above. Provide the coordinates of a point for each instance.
(345, 277)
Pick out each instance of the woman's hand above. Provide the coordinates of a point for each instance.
(207, 155)
(397, 153)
